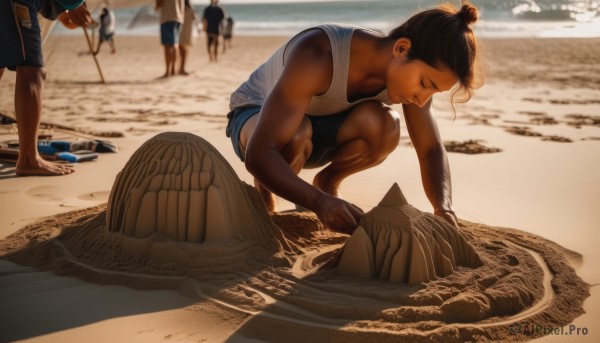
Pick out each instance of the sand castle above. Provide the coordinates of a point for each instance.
(398, 243)
(177, 206)
(178, 185)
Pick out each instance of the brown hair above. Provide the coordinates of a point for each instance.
(442, 36)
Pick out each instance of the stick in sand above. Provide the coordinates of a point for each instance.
(87, 37)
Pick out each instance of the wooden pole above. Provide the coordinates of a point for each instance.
(87, 37)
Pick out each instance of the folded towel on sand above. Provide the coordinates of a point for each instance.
(51, 147)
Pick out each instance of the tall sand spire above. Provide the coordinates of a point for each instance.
(398, 243)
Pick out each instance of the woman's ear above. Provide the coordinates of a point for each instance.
(401, 47)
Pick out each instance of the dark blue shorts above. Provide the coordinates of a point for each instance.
(324, 133)
(236, 120)
(20, 40)
(106, 37)
(169, 33)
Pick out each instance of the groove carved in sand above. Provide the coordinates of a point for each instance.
(180, 186)
(398, 243)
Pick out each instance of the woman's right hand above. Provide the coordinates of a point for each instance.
(337, 214)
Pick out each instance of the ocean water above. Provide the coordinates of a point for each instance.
(499, 18)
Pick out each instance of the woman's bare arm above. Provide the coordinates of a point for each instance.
(307, 72)
(435, 171)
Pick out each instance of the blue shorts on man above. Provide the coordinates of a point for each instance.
(169, 33)
(20, 40)
(20, 34)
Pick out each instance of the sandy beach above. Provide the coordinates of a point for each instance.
(524, 155)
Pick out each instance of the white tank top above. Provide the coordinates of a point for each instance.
(255, 90)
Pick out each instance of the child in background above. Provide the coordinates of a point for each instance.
(227, 33)
(107, 29)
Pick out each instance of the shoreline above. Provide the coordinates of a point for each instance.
(481, 34)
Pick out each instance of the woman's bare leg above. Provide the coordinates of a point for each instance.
(369, 134)
(296, 152)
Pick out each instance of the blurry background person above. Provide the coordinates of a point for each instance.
(227, 33)
(107, 28)
(211, 21)
(190, 20)
(171, 18)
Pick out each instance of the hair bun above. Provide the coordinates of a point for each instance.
(467, 14)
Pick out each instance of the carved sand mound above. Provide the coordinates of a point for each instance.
(155, 233)
(398, 243)
(177, 208)
(178, 185)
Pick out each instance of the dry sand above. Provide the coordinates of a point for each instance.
(403, 274)
(545, 188)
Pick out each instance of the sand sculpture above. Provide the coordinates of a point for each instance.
(398, 243)
(178, 204)
(178, 185)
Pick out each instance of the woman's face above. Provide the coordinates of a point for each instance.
(414, 81)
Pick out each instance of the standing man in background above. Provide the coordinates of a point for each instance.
(21, 51)
(211, 21)
(171, 18)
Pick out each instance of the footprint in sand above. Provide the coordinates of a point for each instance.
(555, 138)
(46, 193)
(472, 146)
(539, 118)
(579, 120)
(522, 131)
(536, 100)
(95, 196)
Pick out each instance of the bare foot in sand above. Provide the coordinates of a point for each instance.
(184, 73)
(41, 167)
